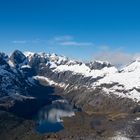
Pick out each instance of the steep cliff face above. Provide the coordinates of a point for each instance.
(13, 81)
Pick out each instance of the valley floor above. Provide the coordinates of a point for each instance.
(82, 126)
(100, 127)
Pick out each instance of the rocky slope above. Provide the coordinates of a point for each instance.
(14, 79)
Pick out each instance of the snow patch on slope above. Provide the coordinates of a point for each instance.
(128, 79)
(85, 70)
(25, 66)
(134, 94)
(50, 82)
(11, 63)
(133, 66)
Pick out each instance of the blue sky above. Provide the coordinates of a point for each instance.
(81, 29)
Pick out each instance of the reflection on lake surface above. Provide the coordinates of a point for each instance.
(50, 117)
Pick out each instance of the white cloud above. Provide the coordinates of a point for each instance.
(19, 41)
(68, 40)
(74, 43)
(63, 38)
(33, 41)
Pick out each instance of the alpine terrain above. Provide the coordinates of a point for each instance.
(106, 96)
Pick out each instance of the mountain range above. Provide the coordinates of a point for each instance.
(91, 86)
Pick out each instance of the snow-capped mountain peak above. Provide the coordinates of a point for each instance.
(18, 58)
(137, 59)
(134, 66)
(28, 53)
